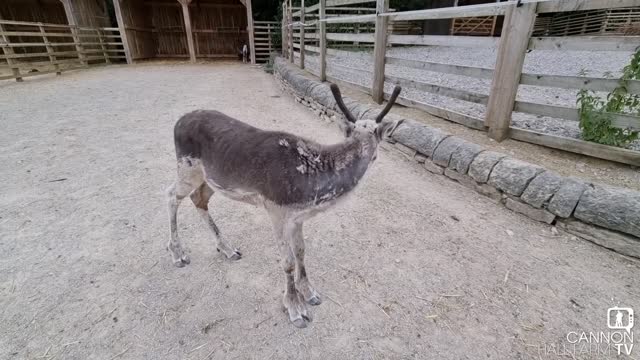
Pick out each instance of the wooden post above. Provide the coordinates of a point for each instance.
(290, 30)
(302, 16)
(105, 54)
(187, 29)
(71, 19)
(252, 44)
(356, 30)
(494, 23)
(50, 50)
(8, 50)
(283, 31)
(379, 51)
(519, 21)
(323, 41)
(269, 45)
(123, 30)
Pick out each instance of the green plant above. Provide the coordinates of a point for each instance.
(596, 114)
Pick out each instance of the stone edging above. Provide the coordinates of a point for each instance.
(606, 215)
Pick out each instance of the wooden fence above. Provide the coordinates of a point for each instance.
(264, 35)
(511, 49)
(30, 49)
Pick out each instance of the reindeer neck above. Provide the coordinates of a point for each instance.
(335, 170)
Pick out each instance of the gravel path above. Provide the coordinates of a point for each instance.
(568, 63)
(412, 266)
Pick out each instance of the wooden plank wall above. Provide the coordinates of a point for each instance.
(92, 13)
(168, 30)
(220, 29)
(88, 13)
(597, 21)
(155, 28)
(45, 11)
(138, 26)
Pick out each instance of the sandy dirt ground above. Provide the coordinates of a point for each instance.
(412, 266)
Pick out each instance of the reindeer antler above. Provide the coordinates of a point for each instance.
(340, 102)
(392, 100)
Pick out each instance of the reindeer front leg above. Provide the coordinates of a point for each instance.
(293, 301)
(303, 285)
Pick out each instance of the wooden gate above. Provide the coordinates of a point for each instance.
(264, 34)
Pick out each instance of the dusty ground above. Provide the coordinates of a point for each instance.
(413, 266)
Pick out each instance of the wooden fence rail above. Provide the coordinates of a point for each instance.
(506, 78)
(31, 49)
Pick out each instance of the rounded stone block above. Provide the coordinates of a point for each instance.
(301, 84)
(322, 94)
(542, 188)
(463, 156)
(444, 150)
(610, 207)
(483, 164)
(512, 176)
(418, 136)
(356, 108)
(566, 198)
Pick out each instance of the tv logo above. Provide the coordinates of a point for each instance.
(620, 318)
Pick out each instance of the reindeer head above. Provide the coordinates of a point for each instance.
(380, 129)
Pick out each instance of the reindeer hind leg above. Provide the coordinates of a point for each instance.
(200, 198)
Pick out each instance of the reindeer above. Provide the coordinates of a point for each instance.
(291, 177)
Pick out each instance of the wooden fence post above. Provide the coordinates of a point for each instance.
(123, 30)
(8, 50)
(323, 41)
(252, 42)
(283, 31)
(187, 29)
(302, 18)
(50, 50)
(290, 30)
(519, 21)
(73, 23)
(356, 30)
(379, 50)
(269, 45)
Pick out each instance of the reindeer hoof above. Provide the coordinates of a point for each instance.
(314, 300)
(298, 314)
(300, 323)
(182, 261)
(235, 254)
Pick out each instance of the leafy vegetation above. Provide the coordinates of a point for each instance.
(268, 66)
(596, 113)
